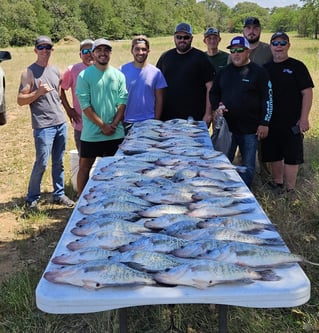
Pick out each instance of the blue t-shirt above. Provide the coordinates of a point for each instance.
(141, 84)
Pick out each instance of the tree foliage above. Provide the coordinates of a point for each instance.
(23, 20)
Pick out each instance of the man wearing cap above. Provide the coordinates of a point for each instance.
(189, 76)
(144, 83)
(259, 51)
(292, 98)
(102, 94)
(260, 54)
(39, 88)
(216, 57)
(245, 90)
(69, 81)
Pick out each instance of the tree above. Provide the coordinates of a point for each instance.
(311, 14)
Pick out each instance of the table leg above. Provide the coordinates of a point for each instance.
(123, 320)
(222, 318)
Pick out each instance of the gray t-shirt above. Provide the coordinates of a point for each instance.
(46, 111)
(261, 54)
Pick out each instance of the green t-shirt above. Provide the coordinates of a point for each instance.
(104, 91)
(219, 60)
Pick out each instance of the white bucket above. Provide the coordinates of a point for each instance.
(74, 164)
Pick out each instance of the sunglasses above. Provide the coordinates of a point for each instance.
(86, 51)
(186, 37)
(281, 43)
(237, 50)
(42, 47)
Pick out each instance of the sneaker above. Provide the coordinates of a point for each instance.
(31, 204)
(64, 201)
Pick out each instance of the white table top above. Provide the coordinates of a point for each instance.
(292, 290)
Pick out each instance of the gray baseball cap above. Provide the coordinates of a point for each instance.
(184, 27)
(101, 41)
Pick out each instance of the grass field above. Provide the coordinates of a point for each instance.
(28, 241)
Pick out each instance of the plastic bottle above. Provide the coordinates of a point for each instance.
(219, 116)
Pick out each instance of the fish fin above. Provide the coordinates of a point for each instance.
(200, 284)
(269, 275)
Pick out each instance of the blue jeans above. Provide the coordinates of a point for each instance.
(48, 141)
(247, 144)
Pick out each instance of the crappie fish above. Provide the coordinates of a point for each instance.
(166, 220)
(83, 255)
(106, 240)
(206, 273)
(205, 181)
(159, 172)
(115, 225)
(110, 216)
(98, 274)
(147, 261)
(252, 256)
(158, 210)
(219, 202)
(239, 224)
(212, 211)
(112, 206)
(120, 195)
(185, 173)
(227, 234)
(154, 242)
(169, 197)
(215, 174)
(196, 248)
(181, 226)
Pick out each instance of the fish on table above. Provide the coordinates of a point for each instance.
(110, 225)
(98, 274)
(206, 273)
(154, 242)
(227, 234)
(166, 220)
(237, 223)
(106, 239)
(252, 255)
(147, 261)
(159, 210)
(213, 211)
(82, 255)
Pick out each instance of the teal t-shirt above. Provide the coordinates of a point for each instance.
(104, 91)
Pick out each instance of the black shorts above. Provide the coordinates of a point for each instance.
(283, 145)
(100, 148)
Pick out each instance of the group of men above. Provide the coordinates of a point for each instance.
(267, 97)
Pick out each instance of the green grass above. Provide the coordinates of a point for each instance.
(297, 219)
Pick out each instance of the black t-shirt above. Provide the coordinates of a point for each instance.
(247, 94)
(288, 78)
(186, 76)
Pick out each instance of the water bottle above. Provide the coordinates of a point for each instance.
(219, 116)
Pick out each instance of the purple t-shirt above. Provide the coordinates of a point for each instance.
(141, 84)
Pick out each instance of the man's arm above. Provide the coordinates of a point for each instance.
(70, 111)
(307, 95)
(26, 95)
(159, 93)
(208, 111)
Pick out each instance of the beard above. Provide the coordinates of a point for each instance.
(253, 40)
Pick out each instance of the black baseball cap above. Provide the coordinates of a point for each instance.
(279, 34)
(251, 21)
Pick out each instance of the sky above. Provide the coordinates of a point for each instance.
(264, 3)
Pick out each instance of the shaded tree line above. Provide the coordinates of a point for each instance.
(23, 20)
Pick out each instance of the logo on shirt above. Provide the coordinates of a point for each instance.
(287, 70)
